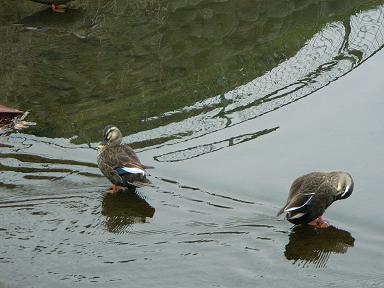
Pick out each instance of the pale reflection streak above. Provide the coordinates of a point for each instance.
(330, 54)
(199, 150)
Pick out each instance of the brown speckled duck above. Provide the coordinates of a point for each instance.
(310, 195)
(56, 5)
(119, 163)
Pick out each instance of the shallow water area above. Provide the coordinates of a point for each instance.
(230, 102)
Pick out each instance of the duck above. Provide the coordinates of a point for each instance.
(119, 162)
(311, 194)
(56, 5)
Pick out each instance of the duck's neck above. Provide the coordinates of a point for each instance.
(115, 143)
(100, 149)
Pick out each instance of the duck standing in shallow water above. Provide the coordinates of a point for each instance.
(119, 163)
(56, 5)
(310, 195)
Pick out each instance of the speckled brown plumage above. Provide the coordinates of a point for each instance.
(310, 195)
(113, 155)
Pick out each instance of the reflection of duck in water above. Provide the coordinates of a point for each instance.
(310, 195)
(124, 209)
(56, 5)
(314, 246)
(119, 163)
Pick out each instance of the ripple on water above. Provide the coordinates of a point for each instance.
(57, 222)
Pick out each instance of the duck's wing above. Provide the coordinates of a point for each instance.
(298, 204)
(121, 156)
(123, 166)
(129, 157)
(302, 187)
(311, 204)
(308, 183)
(323, 198)
(108, 171)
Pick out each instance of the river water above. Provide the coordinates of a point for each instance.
(230, 101)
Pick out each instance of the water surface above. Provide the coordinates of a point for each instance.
(230, 101)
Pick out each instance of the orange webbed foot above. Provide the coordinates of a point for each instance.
(319, 223)
(113, 189)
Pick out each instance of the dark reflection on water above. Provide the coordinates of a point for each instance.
(167, 72)
(147, 64)
(309, 246)
(124, 209)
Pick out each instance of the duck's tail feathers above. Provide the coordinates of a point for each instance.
(145, 183)
(148, 167)
(280, 212)
(297, 209)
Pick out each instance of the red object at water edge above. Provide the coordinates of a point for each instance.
(9, 113)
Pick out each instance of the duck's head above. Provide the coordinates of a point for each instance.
(344, 185)
(111, 136)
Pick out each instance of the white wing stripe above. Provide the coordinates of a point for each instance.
(133, 170)
(295, 208)
(298, 215)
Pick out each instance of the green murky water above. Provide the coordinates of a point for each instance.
(230, 101)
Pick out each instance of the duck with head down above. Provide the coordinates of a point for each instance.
(119, 163)
(310, 195)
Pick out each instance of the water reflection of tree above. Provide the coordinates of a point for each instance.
(125, 209)
(314, 246)
(188, 54)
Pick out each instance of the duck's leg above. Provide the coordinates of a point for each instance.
(114, 188)
(319, 223)
(57, 8)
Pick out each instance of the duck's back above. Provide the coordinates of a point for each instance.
(308, 183)
(308, 197)
(119, 156)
